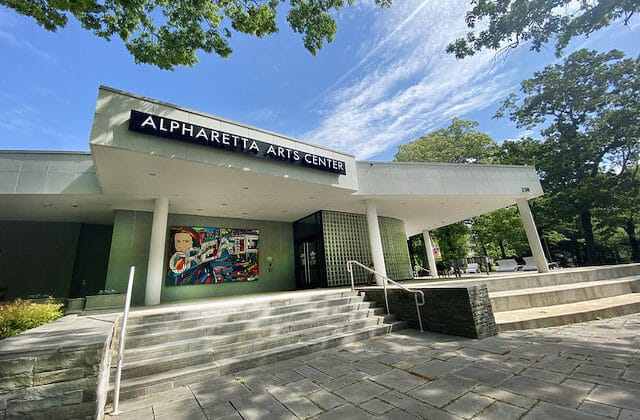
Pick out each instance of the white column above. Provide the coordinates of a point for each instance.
(532, 235)
(375, 242)
(155, 269)
(433, 270)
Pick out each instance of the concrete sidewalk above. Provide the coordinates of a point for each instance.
(580, 371)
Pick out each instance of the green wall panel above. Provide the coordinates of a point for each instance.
(130, 246)
(131, 231)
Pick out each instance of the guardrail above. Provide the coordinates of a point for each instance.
(386, 279)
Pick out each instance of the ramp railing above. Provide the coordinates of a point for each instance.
(415, 292)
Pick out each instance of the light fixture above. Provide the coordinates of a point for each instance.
(245, 188)
(223, 204)
(75, 205)
(199, 209)
(152, 174)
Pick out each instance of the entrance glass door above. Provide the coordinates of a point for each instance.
(307, 267)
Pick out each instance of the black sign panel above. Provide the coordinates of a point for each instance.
(155, 125)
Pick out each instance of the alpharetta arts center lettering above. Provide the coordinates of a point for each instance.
(184, 131)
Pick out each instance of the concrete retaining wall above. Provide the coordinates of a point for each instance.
(464, 311)
(556, 277)
(57, 370)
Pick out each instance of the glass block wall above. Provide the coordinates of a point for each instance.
(395, 248)
(346, 238)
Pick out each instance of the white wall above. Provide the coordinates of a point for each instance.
(110, 128)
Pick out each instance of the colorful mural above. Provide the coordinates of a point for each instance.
(207, 255)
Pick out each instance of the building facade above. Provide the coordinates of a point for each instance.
(205, 207)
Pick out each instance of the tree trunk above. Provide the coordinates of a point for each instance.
(589, 243)
(630, 228)
(504, 254)
(577, 259)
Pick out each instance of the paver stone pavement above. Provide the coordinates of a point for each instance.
(582, 371)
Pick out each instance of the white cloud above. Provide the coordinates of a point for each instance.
(9, 39)
(404, 84)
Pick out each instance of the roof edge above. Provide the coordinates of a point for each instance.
(204, 114)
(47, 152)
(477, 165)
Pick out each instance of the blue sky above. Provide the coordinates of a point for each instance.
(384, 81)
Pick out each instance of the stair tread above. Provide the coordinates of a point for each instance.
(217, 311)
(138, 331)
(238, 306)
(359, 315)
(564, 309)
(216, 365)
(262, 353)
(302, 333)
(559, 287)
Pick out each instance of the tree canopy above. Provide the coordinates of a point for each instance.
(512, 22)
(500, 234)
(170, 33)
(460, 142)
(588, 108)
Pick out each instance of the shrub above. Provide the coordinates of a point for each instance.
(21, 315)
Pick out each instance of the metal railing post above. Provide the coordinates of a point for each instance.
(123, 334)
(350, 270)
(386, 298)
(415, 296)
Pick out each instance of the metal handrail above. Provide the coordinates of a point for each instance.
(123, 334)
(386, 279)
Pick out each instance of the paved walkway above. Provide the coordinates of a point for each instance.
(581, 371)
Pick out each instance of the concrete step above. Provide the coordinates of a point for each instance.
(240, 346)
(221, 318)
(164, 381)
(555, 277)
(239, 307)
(219, 335)
(563, 293)
(185, 333)
(550, 316)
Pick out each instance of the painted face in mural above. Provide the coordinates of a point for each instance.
(182, 241)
